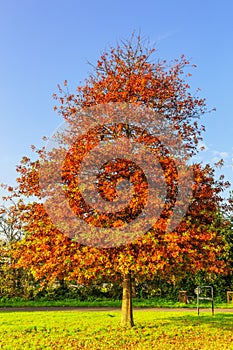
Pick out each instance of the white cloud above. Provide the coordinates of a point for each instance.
(221, 154)
(163, 36)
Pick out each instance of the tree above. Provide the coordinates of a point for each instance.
(10, 233)
(150, 107)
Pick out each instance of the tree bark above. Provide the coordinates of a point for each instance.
(127, 309)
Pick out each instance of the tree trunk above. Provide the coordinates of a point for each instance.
(127, 309)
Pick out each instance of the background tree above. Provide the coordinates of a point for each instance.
(10, 233)
(122, 75)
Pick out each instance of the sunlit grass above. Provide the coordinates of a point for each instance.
(102, 330)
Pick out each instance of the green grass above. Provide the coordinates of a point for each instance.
(158, 302)
(102, 330)
(63, 302)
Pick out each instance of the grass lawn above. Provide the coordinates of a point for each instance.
(150, 303)
(102, 330)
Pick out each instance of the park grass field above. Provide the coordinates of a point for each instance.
(101, 330)
(137, 302)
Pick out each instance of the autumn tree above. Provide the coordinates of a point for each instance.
(113, 196)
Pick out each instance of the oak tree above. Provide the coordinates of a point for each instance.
(150, 113)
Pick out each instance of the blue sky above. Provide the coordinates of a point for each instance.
(45, 42)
